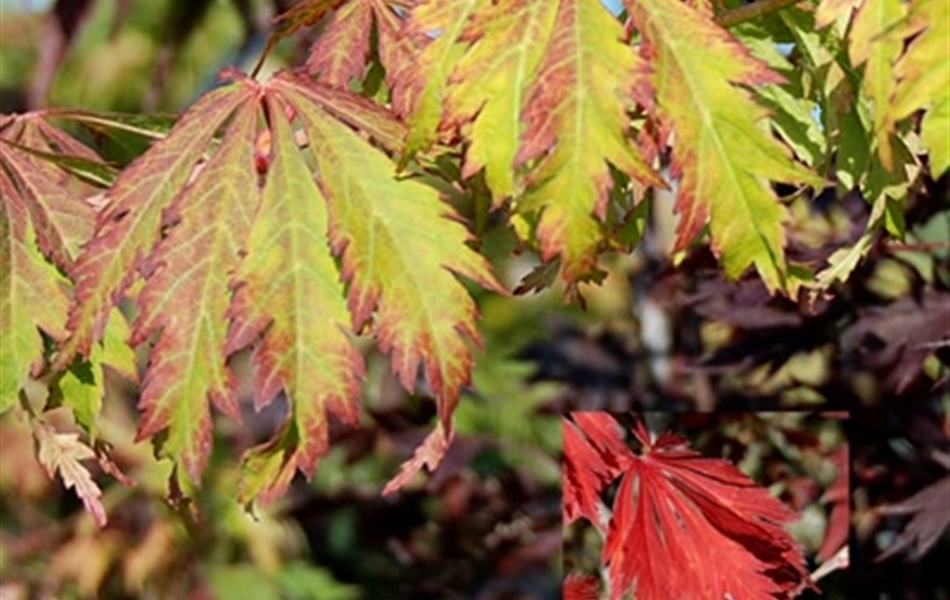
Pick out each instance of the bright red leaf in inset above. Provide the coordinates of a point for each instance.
(581, 586)
(689, 527)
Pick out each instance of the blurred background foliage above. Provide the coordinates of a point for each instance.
(486, 525)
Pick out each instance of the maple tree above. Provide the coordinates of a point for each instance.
(343, 203)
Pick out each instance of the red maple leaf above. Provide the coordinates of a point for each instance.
(581, 586)
(682, 526)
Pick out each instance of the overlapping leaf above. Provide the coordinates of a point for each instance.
(723, 156)
(204, 217)
(868, 46)
(672, 506)
(342, 52)
(489, 83)
(923, 81)
(420, 84)
(186, 296)
(43, 221)
(576, 123)
(400, 250)
(289, 294)
(131, 224)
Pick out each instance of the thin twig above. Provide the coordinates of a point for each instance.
(747, 12)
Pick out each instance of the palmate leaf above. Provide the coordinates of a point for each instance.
(576, 122)
(400, 248)
(489, 84)
(673, 506)
(43, 221)
(923, 81)
(289, 294)
(342, 51)
(238, 250)
(722, 155)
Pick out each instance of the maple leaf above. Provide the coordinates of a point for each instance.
(342, 51)
(923, 81)
(877, 53)
(489, 83)
(419, 84)
(393, 236)
(591, 462)
(186, 296)
(62, 453)
(575, 124)
(131, 223)
(724, 159)
(581, 586)
(42, 216)
(289, 294)
(673, 505)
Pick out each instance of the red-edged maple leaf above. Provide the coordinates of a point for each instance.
(131, 224)
(722, 156)
(236, 242)
(342, 51)
(689, 527)
(186, 296)
(488, 85)
(289, 294)
(419, 85)
(44, 219)
(393, 237)
(575, 124)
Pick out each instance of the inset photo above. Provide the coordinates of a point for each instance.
(732, 506)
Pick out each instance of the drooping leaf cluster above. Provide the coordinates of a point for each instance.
(293, 215)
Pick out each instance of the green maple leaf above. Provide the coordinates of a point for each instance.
(43, 222)
(489, 83)
(400, 246)
(289, 293)
(575, 124)
(923, 81)
(721, 154)
(868, 46)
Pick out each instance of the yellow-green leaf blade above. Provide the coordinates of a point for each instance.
(401, 249)
(723, 156)
(575, 124)
(130, 225)
(489, 83)
(186, 296)
(289, 293)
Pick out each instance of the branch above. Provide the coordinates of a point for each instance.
(747, 12)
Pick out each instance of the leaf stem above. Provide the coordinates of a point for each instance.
(747, 12)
